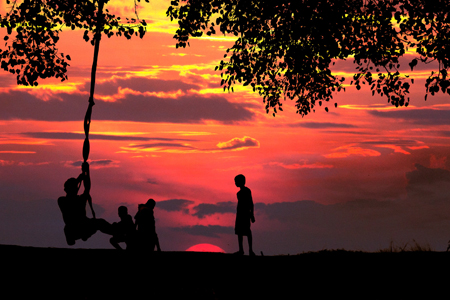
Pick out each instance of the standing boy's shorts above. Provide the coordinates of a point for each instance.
(242, 226)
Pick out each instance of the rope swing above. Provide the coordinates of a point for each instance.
(87, 117)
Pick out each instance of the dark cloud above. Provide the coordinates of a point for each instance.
(428, 183)
(321, 125)
(445, 133)
(292, 211)
(423, 175)
(36, 223)
(139, 84)
(212, 231)
(191, 108)
(81, 136)
(423, 116)
(185, 109)
(201, 81)
(152, 181)
(161, 145)
(397, 142)
(207, 209)
(25, 106)
(175, 205)
(100, 163)
(350, 132)
(349, 66)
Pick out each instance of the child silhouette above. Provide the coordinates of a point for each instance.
(244, 215)
(73, 209)
(146, 230)
(124, 230)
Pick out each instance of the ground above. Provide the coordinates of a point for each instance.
(53, 273)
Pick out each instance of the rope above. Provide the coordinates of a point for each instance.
(87, 117)
(87, 124)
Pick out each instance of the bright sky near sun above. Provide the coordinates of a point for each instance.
(358, 177)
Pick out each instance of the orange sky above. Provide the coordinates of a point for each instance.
(357, 177)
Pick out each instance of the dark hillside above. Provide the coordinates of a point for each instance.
(51, 273)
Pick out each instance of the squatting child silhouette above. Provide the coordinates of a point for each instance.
(244, 215)
(146, 230)
(73, 209)
(124, 230)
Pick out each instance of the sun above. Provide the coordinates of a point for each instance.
(205, 248)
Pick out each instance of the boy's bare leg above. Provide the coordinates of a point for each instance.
(250, 244)
(240, 241)
(115, 243)
(104, 226)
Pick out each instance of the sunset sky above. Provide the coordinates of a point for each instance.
(359, 177)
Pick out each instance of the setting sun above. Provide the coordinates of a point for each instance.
(205, 248)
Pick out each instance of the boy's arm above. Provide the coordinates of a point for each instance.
(86, 177)
(79, 180)
(252, 208)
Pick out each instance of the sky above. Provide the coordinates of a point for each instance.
(362, 176)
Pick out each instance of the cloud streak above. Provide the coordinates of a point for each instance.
(99, 163)
(305, 165)
(361, 148)
(206, 209)
(139, 84)
(190, 108)
(425, 116)
(174, 205)
(160, 146)
(93, 136)
(322, 125)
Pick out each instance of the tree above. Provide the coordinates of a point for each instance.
(33, 28)
(31, 54)
(286, 49)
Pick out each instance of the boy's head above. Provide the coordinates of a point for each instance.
(123, 211)
(239, 180)
(150, 203)
(71, 186)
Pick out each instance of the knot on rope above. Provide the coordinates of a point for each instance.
(87, 124)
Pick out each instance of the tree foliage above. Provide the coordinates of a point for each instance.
(33, 28)
(285, 49)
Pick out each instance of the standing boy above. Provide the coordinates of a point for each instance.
(244, 215)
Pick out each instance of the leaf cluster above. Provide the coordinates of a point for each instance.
(286, 49)
(33, 28)
(428, 24)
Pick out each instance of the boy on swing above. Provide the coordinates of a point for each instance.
(73, 209)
